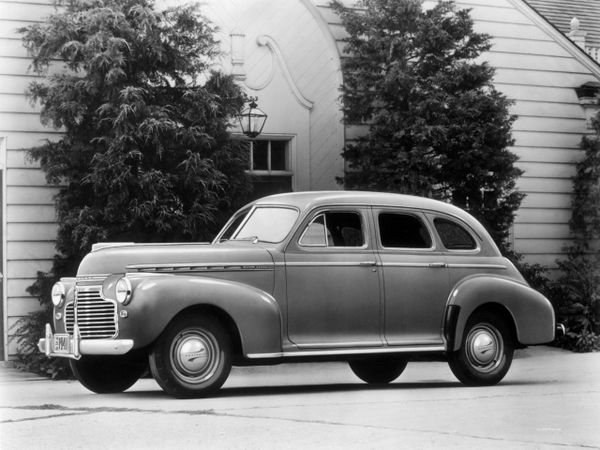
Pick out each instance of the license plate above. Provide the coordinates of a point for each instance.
(61, 343)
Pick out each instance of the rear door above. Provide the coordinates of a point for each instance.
(415, 278)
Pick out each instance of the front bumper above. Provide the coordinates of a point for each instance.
(73, 347)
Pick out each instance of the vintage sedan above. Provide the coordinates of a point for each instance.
(368, 278)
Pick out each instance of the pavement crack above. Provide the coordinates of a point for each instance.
(64, 411)
(407, 430)
(51, 416)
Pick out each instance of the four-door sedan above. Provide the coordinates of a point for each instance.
(367, 278)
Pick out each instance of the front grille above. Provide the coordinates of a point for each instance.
(96, 317)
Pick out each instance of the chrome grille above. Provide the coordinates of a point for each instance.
(96, 317)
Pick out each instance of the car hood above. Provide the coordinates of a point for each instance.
(171, 258)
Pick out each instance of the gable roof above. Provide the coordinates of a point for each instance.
(560, 12)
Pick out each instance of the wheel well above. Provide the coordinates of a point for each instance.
(225, 320)
(503, 313)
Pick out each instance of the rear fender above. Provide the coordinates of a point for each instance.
(157, 299)
(531, 312)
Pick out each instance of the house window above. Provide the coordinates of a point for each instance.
(270, 166)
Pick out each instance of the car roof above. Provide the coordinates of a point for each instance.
(311, 199)
(308, 200)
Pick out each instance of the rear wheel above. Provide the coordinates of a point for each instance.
(486, 352)
(378, 370)
(192, 358)
(107, 374)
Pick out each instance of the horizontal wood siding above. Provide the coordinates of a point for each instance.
(30, 224)
(540, 76)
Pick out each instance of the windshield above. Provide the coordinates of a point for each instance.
(264, 223)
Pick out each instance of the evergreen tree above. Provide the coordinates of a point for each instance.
(437, 125)
(145, 153)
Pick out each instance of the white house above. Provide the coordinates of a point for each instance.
(288, 53)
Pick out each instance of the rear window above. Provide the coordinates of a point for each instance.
(454, 236)
(403, 231)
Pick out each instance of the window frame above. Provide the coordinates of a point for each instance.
(360, 212)
(405, 212)
(461, 224)
(270, 172)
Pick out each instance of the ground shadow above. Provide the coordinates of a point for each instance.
(253, 391)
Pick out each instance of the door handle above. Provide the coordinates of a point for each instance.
(437, 265)
(367, 263)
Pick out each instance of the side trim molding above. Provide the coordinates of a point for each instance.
(343, 352)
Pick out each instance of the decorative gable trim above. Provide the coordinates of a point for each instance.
(267, 41)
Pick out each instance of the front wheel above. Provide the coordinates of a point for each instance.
(486, 352)
(378, 370)
(107, 374)
(192, 358)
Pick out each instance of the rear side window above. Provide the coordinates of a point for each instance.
(403, 231)
(334, 229)
(454, 236)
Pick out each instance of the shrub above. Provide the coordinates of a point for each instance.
(577, 293)
(145, 153)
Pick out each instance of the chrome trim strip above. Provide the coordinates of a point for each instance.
(414, 264)
(201, 267)
(477, 266)
(341, 345)
(343, 352)
(331, 263)
(92, 277)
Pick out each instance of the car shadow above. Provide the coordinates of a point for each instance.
(253, 391)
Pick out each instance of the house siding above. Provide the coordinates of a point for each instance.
(540, 75)
(29, 228)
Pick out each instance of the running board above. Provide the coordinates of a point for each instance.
(349, 352)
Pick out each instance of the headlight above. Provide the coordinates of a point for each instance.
(123, 291)
(58, 294)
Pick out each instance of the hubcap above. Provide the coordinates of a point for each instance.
(485, 347)
(195, 355)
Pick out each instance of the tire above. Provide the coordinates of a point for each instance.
(192, 357)
(378, 370)
(107, 374)
(486, 351)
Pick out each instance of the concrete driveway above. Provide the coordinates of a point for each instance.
(549, 399)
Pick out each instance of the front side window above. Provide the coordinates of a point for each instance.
(263, 223)
(454, 236)
(334, 229)
(403, 231)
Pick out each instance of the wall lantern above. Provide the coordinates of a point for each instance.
(252, 119)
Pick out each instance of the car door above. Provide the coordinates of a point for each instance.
(415, 278)
(333, 290)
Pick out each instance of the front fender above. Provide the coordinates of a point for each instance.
(531, 312)
(156, 299)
